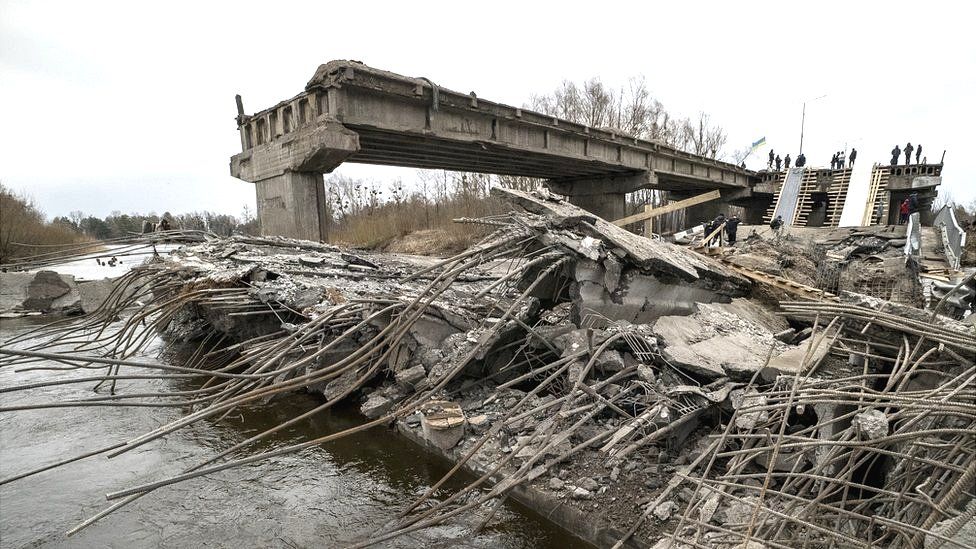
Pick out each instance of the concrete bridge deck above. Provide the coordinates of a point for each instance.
(350, 112)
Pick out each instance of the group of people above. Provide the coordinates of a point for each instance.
(838, 161)
(896, 154)
(162, 226)
(731, 226)
(907, 208)
(784, 163)
(775, 160)
(110, 263)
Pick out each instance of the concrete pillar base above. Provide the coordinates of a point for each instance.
(603, 196)
(609, 206)
(294, 205)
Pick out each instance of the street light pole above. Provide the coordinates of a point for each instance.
(803, 120)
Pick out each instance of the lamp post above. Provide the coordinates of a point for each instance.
(803, 120)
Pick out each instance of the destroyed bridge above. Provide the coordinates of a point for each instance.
(350, 112)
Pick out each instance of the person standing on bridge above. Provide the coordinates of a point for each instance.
(852, 157)
(801, 160)
(772, 157)
(841, 160)
(779, 163)
(731, 226)
(895, 153)
(908, 153)
(786, 161)
(833, 162)
(918, 153)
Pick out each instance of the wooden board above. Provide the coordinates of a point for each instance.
(668, 208)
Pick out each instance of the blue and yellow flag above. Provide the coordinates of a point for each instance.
(757, 144)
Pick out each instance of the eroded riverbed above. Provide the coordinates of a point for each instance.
(325, 496)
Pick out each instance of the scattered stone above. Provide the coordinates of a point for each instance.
(479, 423)
(411, 378)
(744, 400)
(665, 510)
(871, 424)
(581, 493)
(376, 405)
(588, 484)
(556, 484)
(610, 361)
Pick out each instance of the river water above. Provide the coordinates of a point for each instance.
(326, 496)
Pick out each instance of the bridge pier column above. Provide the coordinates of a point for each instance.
(294, 205)
(609, 206)
(603, 196)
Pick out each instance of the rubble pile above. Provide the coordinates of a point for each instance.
(631, 389)
(868, 261)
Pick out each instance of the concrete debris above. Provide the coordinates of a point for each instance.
(664, 511)
(442, 423)
(622, 383)
(872, 424)
(42, 291)
(581, 493)
(376, 405)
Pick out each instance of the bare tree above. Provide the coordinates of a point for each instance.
(632, 111)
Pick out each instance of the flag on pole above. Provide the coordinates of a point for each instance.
(757, 144)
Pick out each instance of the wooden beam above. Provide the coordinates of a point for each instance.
(668, 208)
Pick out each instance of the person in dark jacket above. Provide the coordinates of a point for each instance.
(786, 162)
(852, 157)
(801, 160)
(731, 226)
(895, 153)
(918, 153)
(772, 158)
(779, 163)
(776, 225)
(912, 203)
(833, 162)
(908, 153)
(716, 223)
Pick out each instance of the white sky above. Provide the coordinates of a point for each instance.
(130, 105)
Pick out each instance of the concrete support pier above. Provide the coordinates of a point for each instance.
(609, 206)
(293, 204)
(603, 196)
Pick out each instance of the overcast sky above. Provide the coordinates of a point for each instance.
(130, 105)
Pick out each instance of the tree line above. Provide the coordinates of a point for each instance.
(26, 231)
(118, 224)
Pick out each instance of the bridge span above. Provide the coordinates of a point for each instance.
(350, 112)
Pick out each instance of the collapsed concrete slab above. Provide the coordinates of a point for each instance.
(713, 343)
(42, 291)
